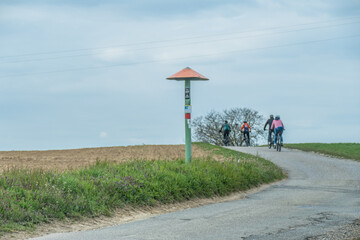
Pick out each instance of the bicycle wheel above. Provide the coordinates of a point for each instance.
(271, 143)
(278, 144)
(226, 141)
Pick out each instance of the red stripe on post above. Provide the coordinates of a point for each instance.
(187, 116)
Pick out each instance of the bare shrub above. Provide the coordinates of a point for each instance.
(207, 127)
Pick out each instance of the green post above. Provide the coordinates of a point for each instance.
(187, 127)
(187, 75)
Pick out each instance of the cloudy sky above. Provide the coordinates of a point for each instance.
(92, 73)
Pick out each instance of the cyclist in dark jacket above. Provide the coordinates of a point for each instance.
(226, 128)
(269, 122)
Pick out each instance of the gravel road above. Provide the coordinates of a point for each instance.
(320, 200)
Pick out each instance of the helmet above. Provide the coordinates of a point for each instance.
(271, 116)
(277, 117)
(245, 121)
(226, 121)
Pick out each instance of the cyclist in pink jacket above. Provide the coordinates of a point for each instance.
(278, 126)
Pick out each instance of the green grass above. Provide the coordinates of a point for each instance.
(342, 150)
(30, 197)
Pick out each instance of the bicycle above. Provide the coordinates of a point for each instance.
(272, 139)
(246, 139)
(278, 141)
(226, 140)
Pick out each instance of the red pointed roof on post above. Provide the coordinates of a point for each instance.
(187, 74)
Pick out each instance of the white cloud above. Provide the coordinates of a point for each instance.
(103, 135)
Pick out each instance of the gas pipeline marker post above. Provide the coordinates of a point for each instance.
(187, 75)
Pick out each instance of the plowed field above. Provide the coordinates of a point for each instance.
(78, 158)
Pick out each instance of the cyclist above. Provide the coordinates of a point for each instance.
(269, 122)
(246, 129)
(227, 130)
(278, 126)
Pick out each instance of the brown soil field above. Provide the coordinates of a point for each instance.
(79, 158)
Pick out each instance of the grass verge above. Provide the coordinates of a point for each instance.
(342, 150)
(30, 197)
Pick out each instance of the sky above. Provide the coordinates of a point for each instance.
(79, 74)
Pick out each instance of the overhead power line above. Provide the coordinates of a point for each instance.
(182, 58)
(178, 39)
(181, 44)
